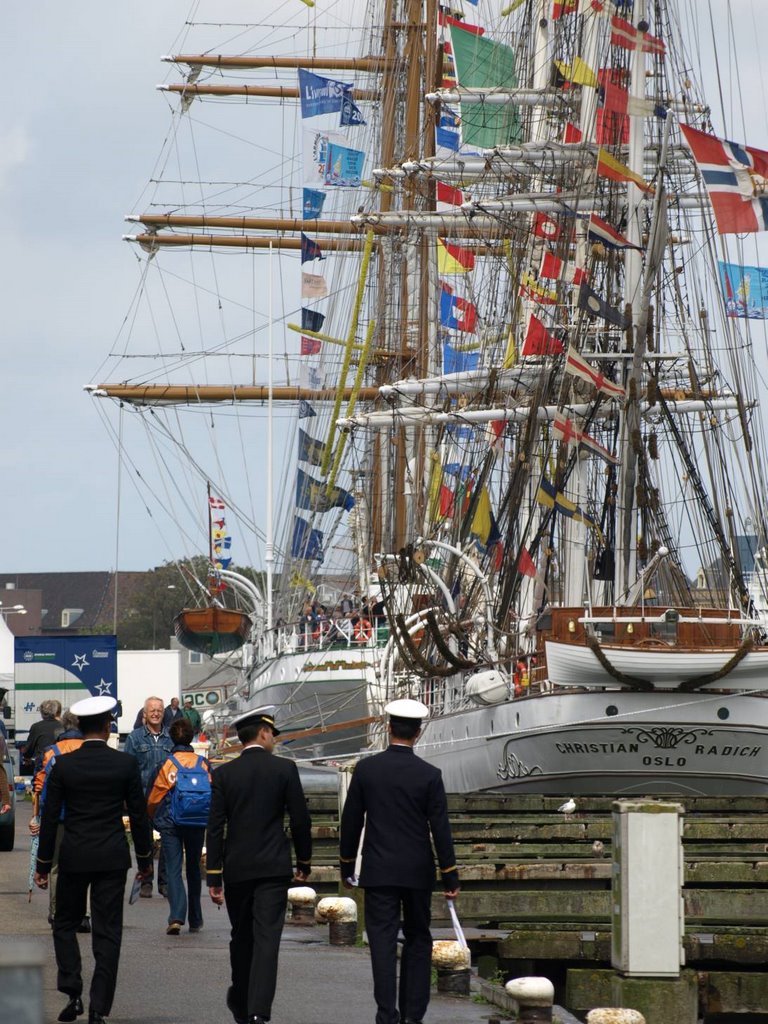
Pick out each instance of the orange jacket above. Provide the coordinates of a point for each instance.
(165, 779)
(64, 747)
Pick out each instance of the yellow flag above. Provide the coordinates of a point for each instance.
(614, 169)
(453, 259)
(579, 73)
(481, 520)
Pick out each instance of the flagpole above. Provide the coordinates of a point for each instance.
(269, 555)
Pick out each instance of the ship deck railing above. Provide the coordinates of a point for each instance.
(323, 635)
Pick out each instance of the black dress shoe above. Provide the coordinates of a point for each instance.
(256, 1019)
(239, 1017)
(96, 1018)
(85, 925)
(72, 1010)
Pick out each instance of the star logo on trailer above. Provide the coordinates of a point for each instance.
(79, 663)
(103, 689)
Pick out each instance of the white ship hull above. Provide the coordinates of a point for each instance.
(318, 690)
(610, 742)
(575, 665)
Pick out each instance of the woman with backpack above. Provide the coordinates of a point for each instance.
(178, 802)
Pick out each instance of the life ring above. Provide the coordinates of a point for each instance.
(363, 631)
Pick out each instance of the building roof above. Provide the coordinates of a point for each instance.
(92, 592)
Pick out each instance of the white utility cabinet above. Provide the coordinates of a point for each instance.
(646, 887)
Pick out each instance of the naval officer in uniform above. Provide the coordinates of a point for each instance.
(92, 784)
(401, 800)
(249, 858)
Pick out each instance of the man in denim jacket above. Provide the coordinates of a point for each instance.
(151, 744)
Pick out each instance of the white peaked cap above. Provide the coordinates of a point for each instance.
(93, 706)
(407, 708)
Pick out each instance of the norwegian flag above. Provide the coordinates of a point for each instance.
(736, 178)
(554, 268)
(564, 429)
(579, 367)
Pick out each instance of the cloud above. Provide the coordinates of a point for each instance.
(15, 149)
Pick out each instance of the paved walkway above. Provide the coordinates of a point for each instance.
(166, 980)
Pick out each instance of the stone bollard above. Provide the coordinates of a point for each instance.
(453, 967)
(21, 983)
(341, 914)
(302, 900)
(613, 1015)
(534, 997)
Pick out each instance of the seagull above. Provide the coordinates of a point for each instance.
(568, 807)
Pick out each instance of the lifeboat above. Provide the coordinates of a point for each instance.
(212, 630)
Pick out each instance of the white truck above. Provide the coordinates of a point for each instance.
(71, 668)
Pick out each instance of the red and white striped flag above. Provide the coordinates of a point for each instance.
(579, 367)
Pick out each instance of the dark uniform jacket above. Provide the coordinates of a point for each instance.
(249, 798)
(400, 799)
(41, 735)
(94, 783)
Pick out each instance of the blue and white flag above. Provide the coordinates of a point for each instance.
(345, 166)
(306, 542)
(350, 112)
(745, 290)
(312, 205)
(320, 95)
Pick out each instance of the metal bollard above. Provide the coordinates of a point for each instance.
(342, 933)
(340, 913)
(302, 900)
(614, 1015)
(21, 983)
(534, 997)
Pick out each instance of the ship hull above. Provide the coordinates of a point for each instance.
(606, 743)
(574, 665)
(323, 698)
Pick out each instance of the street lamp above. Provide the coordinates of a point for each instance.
(14, 609)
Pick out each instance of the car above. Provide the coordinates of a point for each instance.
(7, 820)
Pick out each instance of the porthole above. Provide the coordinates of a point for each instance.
(611, 711)
(723, 713)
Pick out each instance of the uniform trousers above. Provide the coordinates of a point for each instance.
(384, 908)
(107, 890)
(256, 911)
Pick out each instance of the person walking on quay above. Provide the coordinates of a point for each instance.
(193, 717)
(249, 858)
(42, 733)
(95, 782)
(151, 744)
(70, 739)
(179, 802)
(400, 799)
(171, 713)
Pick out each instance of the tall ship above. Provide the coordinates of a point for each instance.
(470, 315)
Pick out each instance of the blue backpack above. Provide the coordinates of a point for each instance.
(191, 795)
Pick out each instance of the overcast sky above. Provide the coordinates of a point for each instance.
(80, 130)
